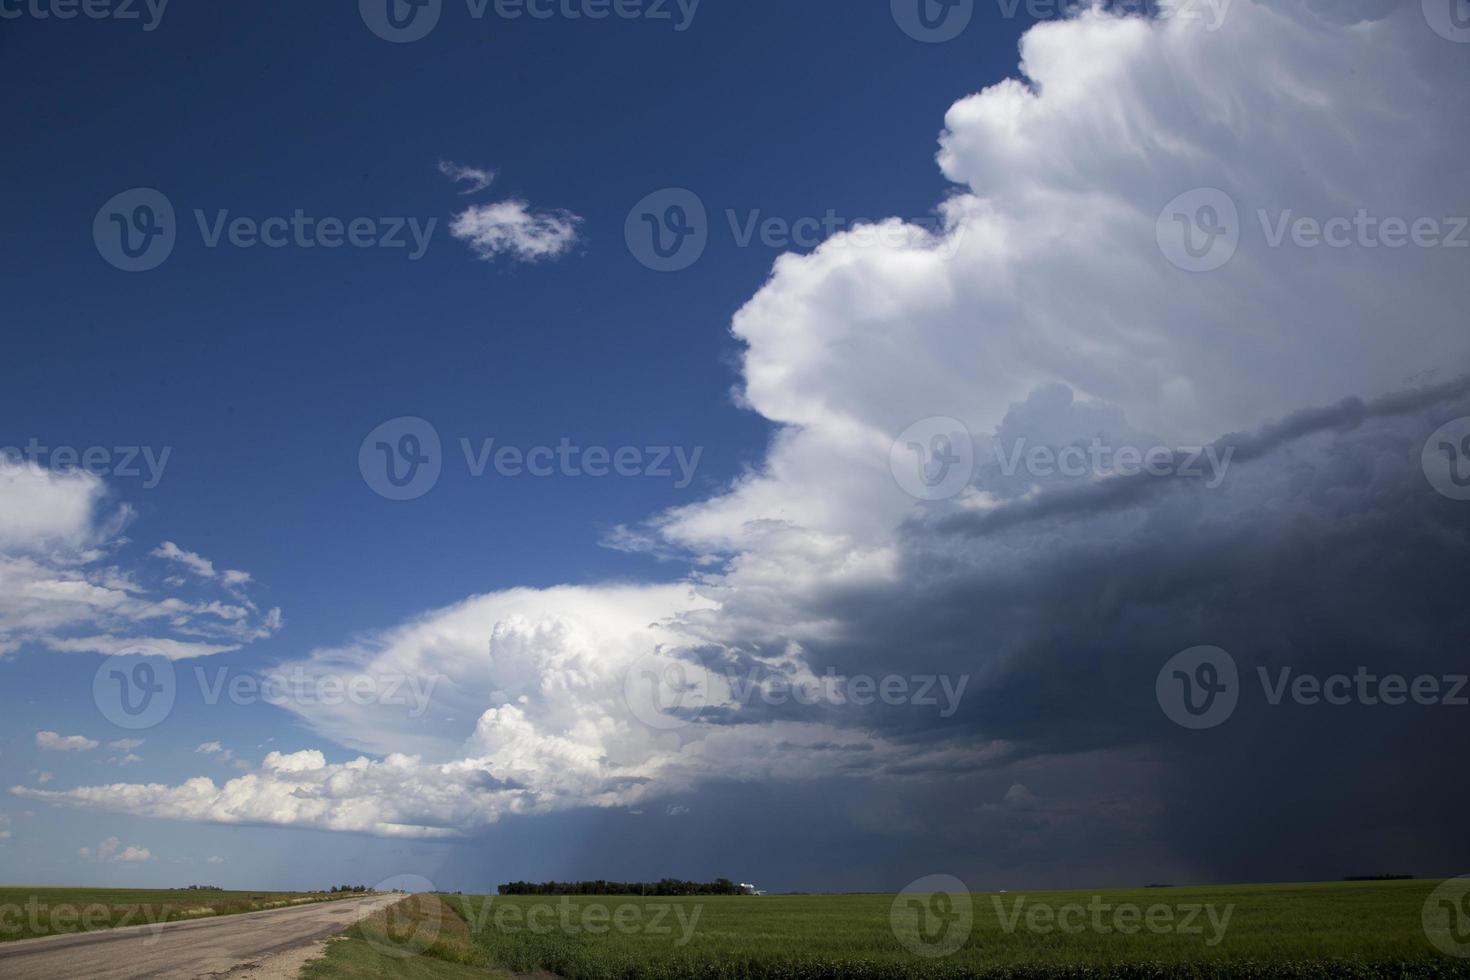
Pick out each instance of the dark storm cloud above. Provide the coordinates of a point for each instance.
(1325, 551)
(1129, 490)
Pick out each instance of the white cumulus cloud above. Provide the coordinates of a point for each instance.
(1043, 305)
(62, 586)
(512, 228)
(52, 742)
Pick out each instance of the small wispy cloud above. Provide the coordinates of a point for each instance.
(200, 565)
(476, 178)
(52, 742)
(113, 851)
(214, 748)
(512, 228)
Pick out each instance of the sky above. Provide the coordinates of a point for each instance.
(815, 444)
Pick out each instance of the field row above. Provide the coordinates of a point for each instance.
(1347, 930)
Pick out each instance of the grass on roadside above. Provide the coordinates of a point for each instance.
(419, 938)
(30, 913)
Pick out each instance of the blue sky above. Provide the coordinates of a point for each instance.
(785, 546)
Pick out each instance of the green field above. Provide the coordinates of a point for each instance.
(28, 913)
(1372, 929)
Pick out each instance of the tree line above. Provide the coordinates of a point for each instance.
(662, 887)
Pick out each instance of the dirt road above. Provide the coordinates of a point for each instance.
(233, 946)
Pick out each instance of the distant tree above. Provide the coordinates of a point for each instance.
(664, 887)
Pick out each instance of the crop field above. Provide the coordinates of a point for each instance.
(28, 913)
(1370, 929)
